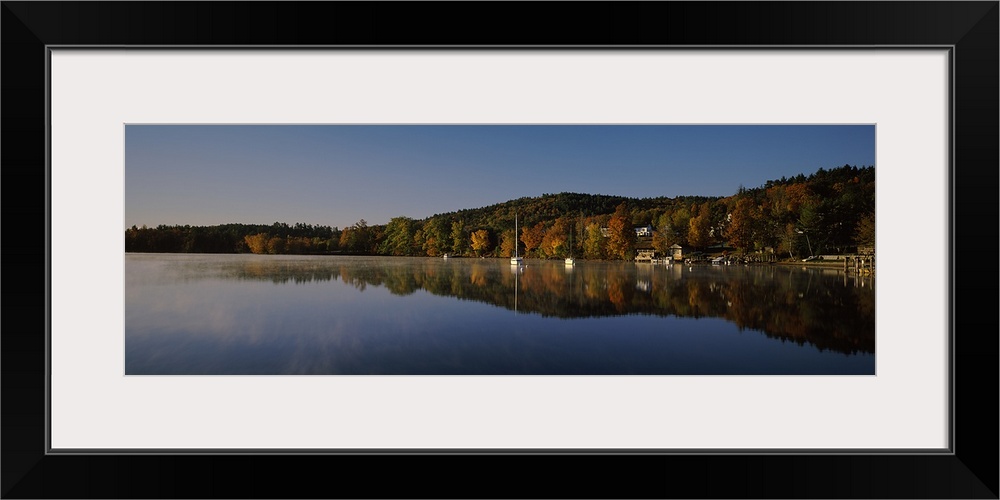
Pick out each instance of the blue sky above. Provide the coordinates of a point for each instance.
(336, 175)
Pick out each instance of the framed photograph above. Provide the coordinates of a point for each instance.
(828, 146)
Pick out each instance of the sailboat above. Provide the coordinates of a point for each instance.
(515, 260)
(569, 260)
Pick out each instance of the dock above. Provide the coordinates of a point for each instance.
(860, 264)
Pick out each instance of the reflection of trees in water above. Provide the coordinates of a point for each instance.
(273, 270)
(827, 311)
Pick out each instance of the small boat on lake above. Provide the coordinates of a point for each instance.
(570, 260)
(515, 260)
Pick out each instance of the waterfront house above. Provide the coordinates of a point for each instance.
(644, 231)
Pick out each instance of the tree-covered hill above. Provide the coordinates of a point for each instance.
(827, 211)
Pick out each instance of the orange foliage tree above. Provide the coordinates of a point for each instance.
(554, 242)
(742, 230)
(507, 243)
(621, 235)
(532, 237)
(257, 243)
(480, 240)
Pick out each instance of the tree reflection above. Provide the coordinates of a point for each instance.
(823, 308)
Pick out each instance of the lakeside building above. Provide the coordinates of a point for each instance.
(640, 231)
(645, 254)
(677, 252)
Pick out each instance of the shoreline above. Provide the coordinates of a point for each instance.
(833, 264)
(828, 264)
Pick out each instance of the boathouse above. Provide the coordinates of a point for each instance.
(645, 254)
(677, 252)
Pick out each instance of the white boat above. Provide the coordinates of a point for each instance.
(515, 260)
(570, 260)
(445, 256)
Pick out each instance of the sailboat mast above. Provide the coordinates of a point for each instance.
(515, 259)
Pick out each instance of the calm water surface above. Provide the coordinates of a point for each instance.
(268, 315)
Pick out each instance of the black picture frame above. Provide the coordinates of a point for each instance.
(970, 28)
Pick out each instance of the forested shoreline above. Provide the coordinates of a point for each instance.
(829, 211)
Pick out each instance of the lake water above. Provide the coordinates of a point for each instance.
(191, 314)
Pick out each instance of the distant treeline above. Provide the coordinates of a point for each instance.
(233, 238)
(828, 211)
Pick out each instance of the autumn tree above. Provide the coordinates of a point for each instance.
(795, 196)
(436, 235)
(257, 243)
(698, 230)
(744, 224)
(348, 239)
(554, 242)
(621, 235)
(532, 236)
(777, 200)
(507, 243)
(593, 246)
(480, 240)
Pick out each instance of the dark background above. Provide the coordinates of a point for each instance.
(971, 472)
